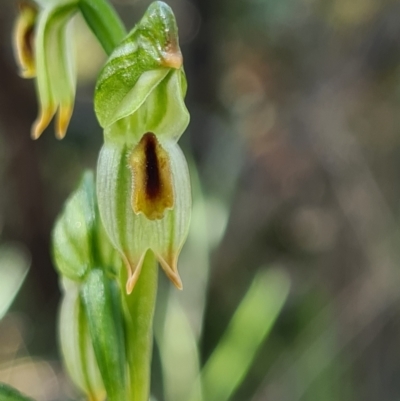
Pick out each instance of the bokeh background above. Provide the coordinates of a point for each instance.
(295, 137)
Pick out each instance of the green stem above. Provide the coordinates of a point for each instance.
(104, 23)
(140, 306)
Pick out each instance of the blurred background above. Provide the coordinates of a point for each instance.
(295, 137)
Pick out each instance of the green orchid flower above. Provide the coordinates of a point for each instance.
(143, 184)
(42, 42)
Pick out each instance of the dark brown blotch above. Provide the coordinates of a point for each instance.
(152, 192)
(153, 182)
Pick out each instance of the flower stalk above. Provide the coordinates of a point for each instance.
(139, 309)
(139, 213)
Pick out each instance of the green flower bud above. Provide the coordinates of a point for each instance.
(43, 49)
(79, 241)
(143, 184)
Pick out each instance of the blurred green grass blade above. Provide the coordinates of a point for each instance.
(252, 321)
(101, 301)
(179, 353)
(14, 265)
(8, 393)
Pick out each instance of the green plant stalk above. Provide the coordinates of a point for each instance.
(104, 23)
(139, 310)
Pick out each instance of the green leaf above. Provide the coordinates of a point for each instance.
(252, 321)
(104, 22)
(102, 302)
(8, 393)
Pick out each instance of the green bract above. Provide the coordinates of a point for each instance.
(143, 184)
(101, 299)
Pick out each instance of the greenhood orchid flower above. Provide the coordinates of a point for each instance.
(43, 49)
(143, 184)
